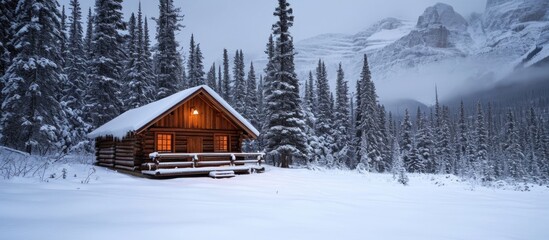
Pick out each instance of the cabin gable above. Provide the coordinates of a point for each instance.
(208, 116)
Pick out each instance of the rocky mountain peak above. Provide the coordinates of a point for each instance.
(442, 14)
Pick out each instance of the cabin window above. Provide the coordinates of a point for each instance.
(164, 142)
(221, 143)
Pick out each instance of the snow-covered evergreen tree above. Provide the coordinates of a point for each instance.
(103, 100)
(7, 18)
(168, 68)
(368, 125)
(139, 78)
(226, 84)
(286, 140)
(211, 77)
(407, 148)
(88, 39)
(7, 52)
(239, 82)
(424, 144)
(514, 156)
(324, 118)
(33, 119)
(342, 120)
(481, 160)
(63, 43)
(323, 113)
(251, 99)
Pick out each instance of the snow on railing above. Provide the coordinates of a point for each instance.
(157, 157)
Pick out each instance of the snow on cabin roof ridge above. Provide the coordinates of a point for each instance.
(134, 119)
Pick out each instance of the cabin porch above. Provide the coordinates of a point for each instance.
(184, 164)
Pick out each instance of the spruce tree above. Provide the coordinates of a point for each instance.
(7, 18)
(103, 100)
(407, 149)
(323, 117)
(88, 40)
(342, 123)
(239, 83)
(368, 125)
(424, 144)
(199, 68)
(219, 80)
(64, 39)
(76, 59)
(481, 145)
(168, 68)
(513, 150)
(211, 80)
(251, 98)
(33, 119)
(533, 155)
(324, 113)
(226, 84)
(286, 140)
(139, 78)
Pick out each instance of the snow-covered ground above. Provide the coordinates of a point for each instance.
(277, 204)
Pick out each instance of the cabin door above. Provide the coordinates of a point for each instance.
(194, 145)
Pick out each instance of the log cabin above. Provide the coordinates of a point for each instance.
(194, 131)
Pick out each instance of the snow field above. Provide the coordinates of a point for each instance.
(277, 204)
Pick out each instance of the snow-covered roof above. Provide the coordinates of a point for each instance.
(134, 119)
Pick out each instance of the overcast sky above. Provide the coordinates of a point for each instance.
(246, 24)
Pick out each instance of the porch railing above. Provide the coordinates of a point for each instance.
(178, 160)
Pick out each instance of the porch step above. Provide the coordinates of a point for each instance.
(222, 174)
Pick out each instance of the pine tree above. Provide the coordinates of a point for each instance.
(286, 140)
(33, 119)
(464, 160)
(533, 155)
(309, 92)
(407, 149)
(199, 67)
(368, 124)
(103, 100)
(147, 55)
(324, 113)
(88, 40)
(323, 116)
(252, 98)
(424, 144)
(226, 84)
(342, 119)
(251, 108)
(385, 164)
(64, 39)
(195, 65)
(139, 72)
(168, 68)
(191, 62)
(76, 59)
(211, 80)
(513, 151)
(219, 80)
(239, 83)
(7, 18)
(481, 145)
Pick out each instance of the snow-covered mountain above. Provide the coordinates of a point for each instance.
(442, 47)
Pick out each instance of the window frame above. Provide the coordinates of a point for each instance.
(172, 143)
(216, 143)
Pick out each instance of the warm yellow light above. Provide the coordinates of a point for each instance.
(194, 111)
